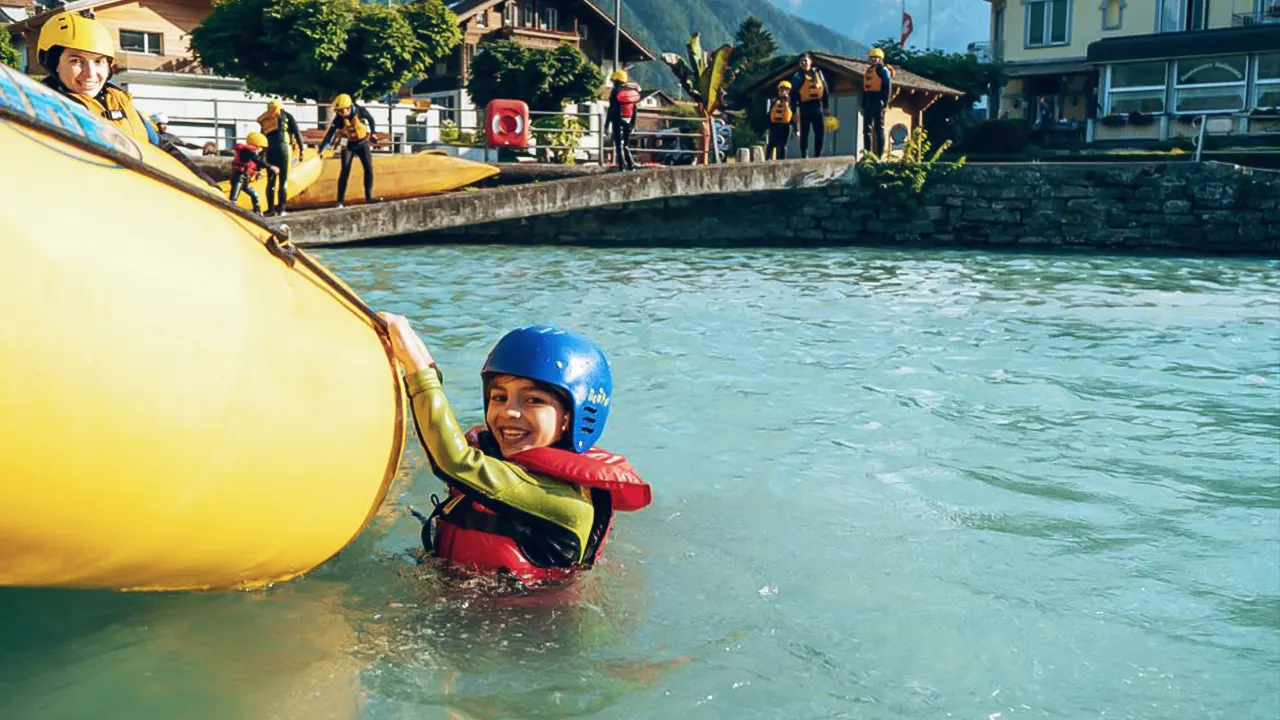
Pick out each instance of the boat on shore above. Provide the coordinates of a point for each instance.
(396, 176)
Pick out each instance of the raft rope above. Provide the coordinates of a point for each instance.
(278, 244)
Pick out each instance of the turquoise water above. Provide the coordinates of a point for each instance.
(888, 485)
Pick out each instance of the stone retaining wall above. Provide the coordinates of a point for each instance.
(1208, 208)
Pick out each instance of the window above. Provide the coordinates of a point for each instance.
(551, 17)
(1266, 90)
(146, 43)
(582, 30)
(1047, 22)
(1136, 87)
(509, 14)
(528, 16)
(1112, 14)
(482, 19)
(1208, 85)
(1180, 15)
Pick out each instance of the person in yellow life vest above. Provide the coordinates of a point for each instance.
(877, 89)
(782, 115)
(281, 131)
(79, 53)
(357, 128)
(811, 97)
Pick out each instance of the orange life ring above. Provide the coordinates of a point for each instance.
(507, 124)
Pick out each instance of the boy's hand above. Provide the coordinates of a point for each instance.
(408, 348)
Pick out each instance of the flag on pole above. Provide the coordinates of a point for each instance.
(907, 27)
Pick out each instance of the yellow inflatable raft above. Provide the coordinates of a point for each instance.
(395, 176)
(184, 404)
(301, 177)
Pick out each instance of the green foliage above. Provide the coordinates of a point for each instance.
(666, 23)
(449, 132)
(900, 180)
(694, 123)
(559, 135)
(753, 44)
(744, 134)
(315, 49)
(964, 72)
(9, 54)
(545, 79)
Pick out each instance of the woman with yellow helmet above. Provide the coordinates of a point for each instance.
(281, 131)
(79, 54)
(356, 125)
(877, 89)
(621, 116)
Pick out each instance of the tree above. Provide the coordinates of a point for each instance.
(303, 49)
(8, 53)
(705, 78)
(545, 79)
(754, 46)
(945, 118)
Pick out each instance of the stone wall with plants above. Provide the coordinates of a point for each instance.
(1184, 208)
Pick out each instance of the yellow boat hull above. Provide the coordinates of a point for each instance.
(301, 176)
(395, 176)
(179, 408)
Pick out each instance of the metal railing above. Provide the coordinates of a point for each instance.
(1262, 16)
(407, 127)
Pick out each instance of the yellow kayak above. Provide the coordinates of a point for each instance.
(301, 177)
(179, 407)
(395, 176)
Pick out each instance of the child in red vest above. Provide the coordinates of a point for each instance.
(530, 496)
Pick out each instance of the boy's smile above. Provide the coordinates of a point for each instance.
(523, 414)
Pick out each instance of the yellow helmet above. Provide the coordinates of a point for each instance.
(275, 105)
(73, 31)
(342, 102)
(785, 84)
(256, 139)
(618, 76)
(876, 53)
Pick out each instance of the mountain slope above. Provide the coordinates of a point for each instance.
(664, 26)
(956, 23)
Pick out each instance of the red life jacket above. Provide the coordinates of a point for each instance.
(471, 536)
(628, 99)
(240, 164)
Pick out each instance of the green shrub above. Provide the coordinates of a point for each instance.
(559, 135)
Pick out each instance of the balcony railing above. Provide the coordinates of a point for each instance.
(1263, 16)
(984, 50)
(538, 37)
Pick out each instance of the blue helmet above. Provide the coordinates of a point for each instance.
(564, 360)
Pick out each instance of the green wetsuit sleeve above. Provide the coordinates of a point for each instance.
(559, 502)
(292, 130)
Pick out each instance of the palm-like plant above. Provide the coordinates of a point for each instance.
(705, 77)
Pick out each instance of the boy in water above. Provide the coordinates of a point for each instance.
(529, 497)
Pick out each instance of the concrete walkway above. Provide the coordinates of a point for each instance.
(402, 219)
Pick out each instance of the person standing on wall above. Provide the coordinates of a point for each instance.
(877, 89)
(356, 125)
(621, 116)
(781, 118)
(281, 130)
(811, 97)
